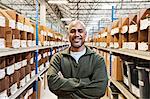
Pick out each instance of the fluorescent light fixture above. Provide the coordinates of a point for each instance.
(66, 19)
(58, 1)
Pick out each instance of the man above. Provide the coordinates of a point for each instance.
(77, 72)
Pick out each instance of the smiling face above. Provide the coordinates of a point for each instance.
(77, 35)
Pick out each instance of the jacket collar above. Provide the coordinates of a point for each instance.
(67, 51)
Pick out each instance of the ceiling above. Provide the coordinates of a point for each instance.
(96, 14)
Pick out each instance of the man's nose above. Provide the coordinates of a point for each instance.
(76, 33)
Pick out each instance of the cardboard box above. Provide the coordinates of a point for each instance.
(32, 66)
(2, 62)
(42, 34)
(27, 69)
(16, 34)
(20, 18)
(116, 68)
(8, 37)
(12, 14)
(17, 76)
(28, 57)
(22, 73)
(23, 35)
(11, 81)
(10, 60)
(2, 85)
(29, 36)
(10, 22)
(2, 32)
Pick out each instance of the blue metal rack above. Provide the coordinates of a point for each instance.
(36, 53)
(112, 18)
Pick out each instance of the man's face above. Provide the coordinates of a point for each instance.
(77, 36)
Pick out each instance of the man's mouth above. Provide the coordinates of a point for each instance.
(76, 40)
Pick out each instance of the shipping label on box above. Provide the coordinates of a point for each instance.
(41, 67)
(47, 64)
(2, 43)
(24, 62)
(114, 31)
(23, 43)
(31, 60)
(12, 24)
(125, 45)
(22, 82)
(2, 21)
(29, 43)
(116, 45)
(45, 43)
(39, 57)
(143, 46)
(31, 29)
(131, 45)
(111, 45)
(44, 55)
(133, 28)
(18, 65)
(34, 43)
(32, 73)
(10, 69)
(20, 26)
(13, 88)
(27, 78)
(124, 29)
(26, 28)
(16, 43)
(144, 24)
(2, 73)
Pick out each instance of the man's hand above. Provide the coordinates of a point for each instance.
(60, 75)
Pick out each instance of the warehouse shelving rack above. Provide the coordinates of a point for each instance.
(143, 30)
(7, 52)
(10, 51)
(137, 60)
(140, 55)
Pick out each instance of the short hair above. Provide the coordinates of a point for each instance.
(75, 22)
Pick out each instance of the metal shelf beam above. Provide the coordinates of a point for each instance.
(123, 90)
(11, 51)
(128, 52)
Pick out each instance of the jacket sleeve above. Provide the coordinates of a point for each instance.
(57, 84)
(96, 86)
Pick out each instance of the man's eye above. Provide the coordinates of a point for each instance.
(73, 31)
(80, 30)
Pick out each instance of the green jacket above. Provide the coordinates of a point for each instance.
(86, 79)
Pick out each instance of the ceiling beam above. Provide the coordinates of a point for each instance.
(110, 9)
(145, 1)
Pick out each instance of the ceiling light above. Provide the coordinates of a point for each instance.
(66, 19)
(58, 1)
